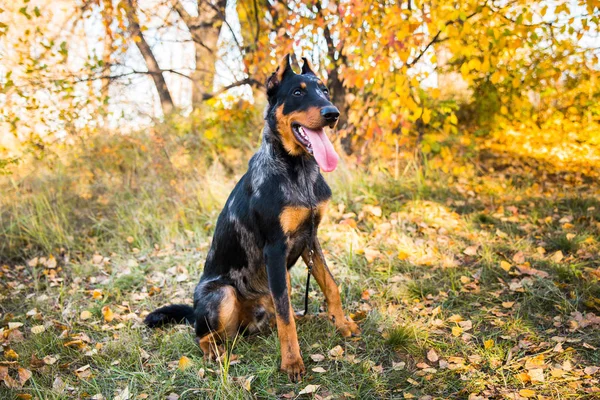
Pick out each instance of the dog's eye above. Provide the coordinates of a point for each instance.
(325, 91)
(297, 92)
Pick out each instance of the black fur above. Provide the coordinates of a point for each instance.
(172, 314)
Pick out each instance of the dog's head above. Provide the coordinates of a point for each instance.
(300, 109)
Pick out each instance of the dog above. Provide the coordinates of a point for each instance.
(269, 221)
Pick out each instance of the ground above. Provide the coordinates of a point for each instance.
(476, 279)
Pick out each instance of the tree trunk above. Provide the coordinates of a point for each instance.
(204, 29)
(338, 90)
(154, 70)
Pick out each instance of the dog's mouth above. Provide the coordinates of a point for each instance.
(316, 143)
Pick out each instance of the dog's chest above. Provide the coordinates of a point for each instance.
(294, 220)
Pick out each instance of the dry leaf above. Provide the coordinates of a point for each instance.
(36, 330)
(97, 294)
(11, 355)
(320, 370)
(591, 370)
(536, 375)
(309, 389)
(107, 314)
(85, 315)
(470, 251)
(336, 352)
(24, 375)
(432, 356)
(505, 265)
(508, 304)
(527, 393)
(519, 257)
(488, 344)
(557, 257)
(317, 357)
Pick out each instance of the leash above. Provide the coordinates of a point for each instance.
(311, 251)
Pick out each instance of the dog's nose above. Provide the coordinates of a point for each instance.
(330, 113)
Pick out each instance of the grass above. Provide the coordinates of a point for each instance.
(448, 262)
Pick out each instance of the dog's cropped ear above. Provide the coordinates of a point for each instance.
(276, 77)
(306, 67)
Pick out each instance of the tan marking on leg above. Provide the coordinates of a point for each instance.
(229, 322)
(323, 276)
(291, 360)
(292, 217)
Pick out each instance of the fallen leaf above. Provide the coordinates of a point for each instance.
(470, 251)
(96, 294)
(123, 395)
(519, 257)
(36, 330)
(24, 375)
(51, 263)
(488, 344)
(320, 370)
(184, 363)
(11, 355)
(557, 257)
(309, 389)
(508, 304)
(591, 370)
(317, 357)
(172, 396)
(527, 393)
(457, 331)
(85, 315)
(432, 356)
(107, 314)
(336, 352)
(248, 383)
(505, 265)
(536, 375)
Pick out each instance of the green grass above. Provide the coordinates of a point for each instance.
(404, 276)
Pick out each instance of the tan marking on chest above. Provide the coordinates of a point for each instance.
(292, 217)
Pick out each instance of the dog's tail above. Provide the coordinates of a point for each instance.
(171, 314)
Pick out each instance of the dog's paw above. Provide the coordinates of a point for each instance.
(347, 327)
(294, 368)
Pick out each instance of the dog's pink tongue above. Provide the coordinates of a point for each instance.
(323, 150)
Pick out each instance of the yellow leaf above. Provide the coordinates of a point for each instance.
(107, 314)
(557, 257)
(527, 393)
(37, 329)
(488, 344)
(97, 294)
(426, 117)
(11, 355)
(85, 315)
(184, 363)
(457, 331)
(508, 304)
(505, 265)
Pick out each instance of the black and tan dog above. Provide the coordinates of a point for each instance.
(267, 225)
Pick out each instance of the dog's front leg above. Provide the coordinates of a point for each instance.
(291, 360)
(323, 276)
